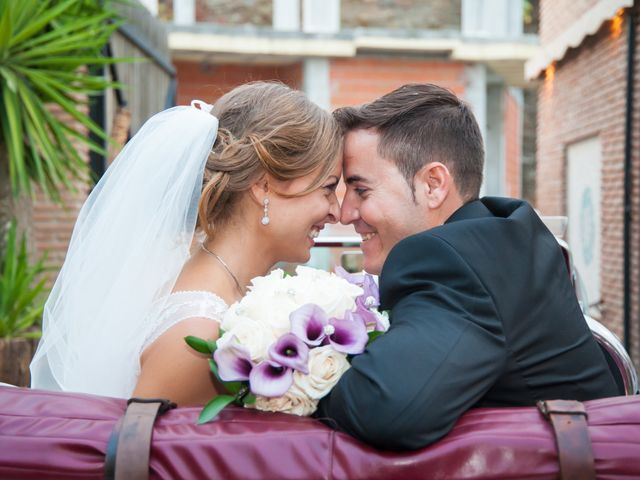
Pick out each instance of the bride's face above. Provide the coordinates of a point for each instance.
(294, 222)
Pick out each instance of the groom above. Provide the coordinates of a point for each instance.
(482, 309)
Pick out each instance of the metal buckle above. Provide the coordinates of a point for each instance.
(165, 405)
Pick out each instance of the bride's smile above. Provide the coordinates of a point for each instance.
(295, 221)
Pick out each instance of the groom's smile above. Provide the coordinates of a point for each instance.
(378, 201)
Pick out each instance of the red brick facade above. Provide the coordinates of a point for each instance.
(512, 146)
(635, 199)
(210, 81)
(359, 80)
(586, 97)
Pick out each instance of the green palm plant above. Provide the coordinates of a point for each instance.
(47, 51)
(22, 288)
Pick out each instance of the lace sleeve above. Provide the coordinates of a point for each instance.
(180, 306)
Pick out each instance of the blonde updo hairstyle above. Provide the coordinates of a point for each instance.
(265, 127)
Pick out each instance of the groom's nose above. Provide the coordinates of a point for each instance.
(348, 211)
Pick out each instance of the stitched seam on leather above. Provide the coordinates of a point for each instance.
(495, 308)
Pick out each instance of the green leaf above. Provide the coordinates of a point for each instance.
(5, 28)
(214, 369)
(373, 335)
(249, 399)
(13, 136)
(215, 406)
(233, 387)
(40, 22)
(22, 287)
(213, 346)
(198, 344)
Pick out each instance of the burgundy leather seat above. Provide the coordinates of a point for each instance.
(60, 435)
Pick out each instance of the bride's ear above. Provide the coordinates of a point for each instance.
(260, 190)
(432, 184)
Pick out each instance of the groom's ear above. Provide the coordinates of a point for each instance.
(433, 183)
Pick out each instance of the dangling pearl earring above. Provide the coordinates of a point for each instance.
(265, 217)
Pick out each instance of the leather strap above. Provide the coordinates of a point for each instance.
(569, 421)
(129, 446)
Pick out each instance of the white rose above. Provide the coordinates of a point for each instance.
(230, 317)
(269, 301)
(273, 277)
(326, 366)
(330, 292)
(293, 402)
(251, 334)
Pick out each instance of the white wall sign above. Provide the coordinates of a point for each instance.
(584, 165)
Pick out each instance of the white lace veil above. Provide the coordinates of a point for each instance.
(129, 243)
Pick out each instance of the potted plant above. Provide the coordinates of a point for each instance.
(22, 297)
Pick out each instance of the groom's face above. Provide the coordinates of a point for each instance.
(379, 201)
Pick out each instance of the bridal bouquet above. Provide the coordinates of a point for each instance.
(287, 342)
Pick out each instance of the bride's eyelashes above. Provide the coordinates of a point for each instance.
(331, 187)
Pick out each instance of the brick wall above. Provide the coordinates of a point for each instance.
(245, 12)
(360, 80)
(53, 225)
(529, 126)
(512, 145)
(388, 14)
(586, 97)
(401, 14)
(209, 82)
(635, 212)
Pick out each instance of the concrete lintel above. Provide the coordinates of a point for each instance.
(259, 45)
(495, 51)
(506, 57)
(346, 43)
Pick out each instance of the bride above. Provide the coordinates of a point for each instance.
(255, 189)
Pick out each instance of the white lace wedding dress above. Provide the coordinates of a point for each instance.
(169, 311)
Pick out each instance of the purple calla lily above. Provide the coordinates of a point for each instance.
(290, 351)
(355, 278)
(269, 379)
(308, 323)
(311, 325)
(233, 361)
(349, 335)
(371, 320)
(371, 293)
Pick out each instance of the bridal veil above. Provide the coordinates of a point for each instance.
(128, 246)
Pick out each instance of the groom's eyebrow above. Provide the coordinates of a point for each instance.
(355, 179)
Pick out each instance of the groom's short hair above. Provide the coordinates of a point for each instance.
(421, 123)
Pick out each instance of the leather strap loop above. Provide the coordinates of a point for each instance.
(129, 446)
(569, 421)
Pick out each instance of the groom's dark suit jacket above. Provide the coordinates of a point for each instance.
(483, 313)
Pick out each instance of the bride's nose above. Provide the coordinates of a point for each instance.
(334, 210)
